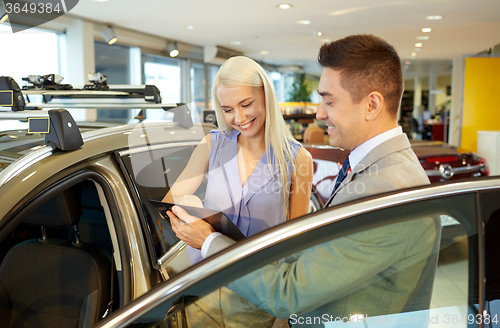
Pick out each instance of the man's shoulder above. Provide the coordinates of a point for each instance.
(397, 170)
(394, 171)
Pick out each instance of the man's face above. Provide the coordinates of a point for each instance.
(344, 119)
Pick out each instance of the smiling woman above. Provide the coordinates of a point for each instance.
(258, 174)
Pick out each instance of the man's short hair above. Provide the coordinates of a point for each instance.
(367, 63)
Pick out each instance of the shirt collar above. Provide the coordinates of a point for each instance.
(360, 152)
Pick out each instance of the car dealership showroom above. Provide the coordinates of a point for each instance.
(212, 163)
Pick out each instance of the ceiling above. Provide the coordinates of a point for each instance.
(467, 26)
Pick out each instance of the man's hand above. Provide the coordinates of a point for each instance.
(190, 229)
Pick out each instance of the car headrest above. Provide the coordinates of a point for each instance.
(61, 211)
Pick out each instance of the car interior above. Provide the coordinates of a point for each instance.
(57, 267)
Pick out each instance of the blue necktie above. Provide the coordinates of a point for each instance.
(343, 173)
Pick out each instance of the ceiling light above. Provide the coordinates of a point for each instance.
(434, 17)
(413, 54)
(303, 22)
(172, 49)
(264, 52)
(426, 29)
(235, 43)
(423, 37)
(284, 6)
(325, 40)
(188, 27)
(109, 35)
(315, 33)
(418, 45)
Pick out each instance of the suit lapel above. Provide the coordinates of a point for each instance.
(392, 145)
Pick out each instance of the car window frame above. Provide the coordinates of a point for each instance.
(154, 259)
(217, 269)
(62, 181)
(486, 200)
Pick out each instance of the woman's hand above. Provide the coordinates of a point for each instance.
(190, 229)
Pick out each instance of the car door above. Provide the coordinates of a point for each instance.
(401, 269)
(150, 172)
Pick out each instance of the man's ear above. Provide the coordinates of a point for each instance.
(375, 104)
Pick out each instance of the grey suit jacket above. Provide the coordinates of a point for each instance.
(373, 272)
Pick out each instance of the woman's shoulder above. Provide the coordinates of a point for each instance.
(221, 139)
(295, 146)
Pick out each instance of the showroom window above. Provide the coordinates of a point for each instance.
(41, 60)
(113, 61)
(198, 87)
(212, 71)
(278, 84)
(165, 73)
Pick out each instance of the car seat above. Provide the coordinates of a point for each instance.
(54, 282)
(313, 135)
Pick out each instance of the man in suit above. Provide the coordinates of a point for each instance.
(373, 272)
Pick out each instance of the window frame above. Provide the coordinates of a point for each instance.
(56, 184)
(119, 154)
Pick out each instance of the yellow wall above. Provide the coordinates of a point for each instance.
(481, 101)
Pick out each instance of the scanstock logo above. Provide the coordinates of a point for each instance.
(26, 14)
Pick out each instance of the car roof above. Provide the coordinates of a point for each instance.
(20, 149)
(17, 143)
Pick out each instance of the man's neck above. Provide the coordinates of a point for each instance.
(358, 153)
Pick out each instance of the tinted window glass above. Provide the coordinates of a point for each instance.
(398, 264)
(153, 171)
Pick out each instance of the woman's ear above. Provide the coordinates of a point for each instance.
(375, 102)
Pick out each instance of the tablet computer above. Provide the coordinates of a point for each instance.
(218, 220)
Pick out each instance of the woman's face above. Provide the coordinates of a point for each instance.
(244, 109)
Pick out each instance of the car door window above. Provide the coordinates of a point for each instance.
(396, 264)
(151, 172)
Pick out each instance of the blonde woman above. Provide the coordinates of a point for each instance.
(258, 174)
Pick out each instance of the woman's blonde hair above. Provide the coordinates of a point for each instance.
(242, 71)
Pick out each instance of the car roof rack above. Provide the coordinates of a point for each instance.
(123, 93)
(116, 97)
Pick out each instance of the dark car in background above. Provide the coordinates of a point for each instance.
(440, 161)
